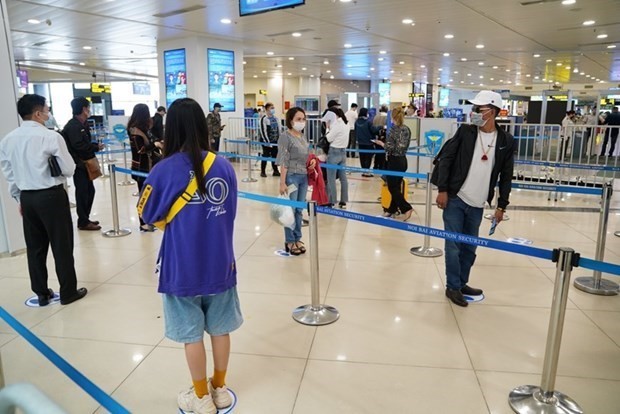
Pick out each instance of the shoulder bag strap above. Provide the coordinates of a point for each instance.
(188, 194)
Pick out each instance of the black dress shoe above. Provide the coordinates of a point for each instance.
(470, 291)
(276, 173)
(96, 223)
(79, 294)
(262, 174)
(456, 297)
(45, 299)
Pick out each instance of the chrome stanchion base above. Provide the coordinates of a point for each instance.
(126, 183)
(528, 399)
(604, 288)
(490, 216)
(119, 233)
(249, 180)
(323, 315)
(617, 234)
(426, 252)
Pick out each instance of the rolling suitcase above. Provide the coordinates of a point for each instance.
(386, 197)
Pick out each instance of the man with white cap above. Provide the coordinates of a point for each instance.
(467, 171)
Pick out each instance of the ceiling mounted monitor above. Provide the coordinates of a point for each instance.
(249, 7)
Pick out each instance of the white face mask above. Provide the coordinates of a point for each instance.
(477, 119)
(299, 126)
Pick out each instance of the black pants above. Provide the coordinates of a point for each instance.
(84, 195)
(269, 152)
(215, 145)
(614, 138)
(352, 145)
(395, 185)
(366, 158)
(47, 221)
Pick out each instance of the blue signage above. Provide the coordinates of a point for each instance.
(120, 132)
(175, 70)
(434, 138)
(247, 7)
(221, 67)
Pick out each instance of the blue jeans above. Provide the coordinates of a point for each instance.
(301, 182)
(459, 217)
(337, 156)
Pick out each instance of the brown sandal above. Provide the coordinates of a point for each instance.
(301, 248)
(292, 249)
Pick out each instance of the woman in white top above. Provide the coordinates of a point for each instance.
(338, 138)
(566, 132)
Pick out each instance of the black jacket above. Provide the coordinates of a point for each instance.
(365, 131)
(455, 158)
(79, 141)
(158, 127)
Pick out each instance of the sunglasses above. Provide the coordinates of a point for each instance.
(479, 109)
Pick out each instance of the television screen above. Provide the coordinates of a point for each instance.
(221, 67)
(310, 104)
(141, 88)
(176, 75)
(247, 7)
(444, 97)
(384, 93)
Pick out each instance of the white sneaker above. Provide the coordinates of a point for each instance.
(190, 403)
(221, 397)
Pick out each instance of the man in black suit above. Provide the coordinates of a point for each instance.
(158, 124)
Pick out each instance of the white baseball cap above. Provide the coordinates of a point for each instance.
(487, 98)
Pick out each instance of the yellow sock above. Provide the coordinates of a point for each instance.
(219, 379)
(200, 388)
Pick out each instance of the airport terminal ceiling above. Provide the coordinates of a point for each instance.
(451, 42)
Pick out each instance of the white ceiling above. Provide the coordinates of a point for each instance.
(123, 36)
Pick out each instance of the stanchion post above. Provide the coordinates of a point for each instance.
(116, 231)
(249, 178)
(315, 314)
(595, 284)
(531, 399)
(125, 182)
(426, 250)
(2, 383)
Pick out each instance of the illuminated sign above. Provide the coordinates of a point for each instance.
(100, 88)
(221, 67)
(262, 91)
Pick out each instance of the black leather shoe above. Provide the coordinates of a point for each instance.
(262, 174)
(96, 223)
(456, 297)
(79, 294)
(276, 173)
(45, 299)
(470, 291)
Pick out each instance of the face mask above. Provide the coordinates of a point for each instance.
(477, 119)
(272, 111)
(299, 126)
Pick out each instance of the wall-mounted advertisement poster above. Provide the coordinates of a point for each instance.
(176, 75)
(384, 93)
(221, 67)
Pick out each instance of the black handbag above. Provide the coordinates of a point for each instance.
(55, 170)
(323, 144)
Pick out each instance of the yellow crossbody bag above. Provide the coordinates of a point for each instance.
(183, 199)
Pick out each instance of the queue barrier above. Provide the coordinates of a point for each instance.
(65, 367)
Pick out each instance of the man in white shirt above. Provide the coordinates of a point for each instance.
(27, 155)
(466, 172)
(351, 116)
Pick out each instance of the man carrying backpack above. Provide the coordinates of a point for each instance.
(269, 133)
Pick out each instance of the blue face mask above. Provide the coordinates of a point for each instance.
(478, 119)
(272, 111)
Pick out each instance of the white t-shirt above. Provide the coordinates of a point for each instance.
(475, 189)
(338, 134)
(351, 116)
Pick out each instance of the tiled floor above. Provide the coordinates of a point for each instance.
(399, 346)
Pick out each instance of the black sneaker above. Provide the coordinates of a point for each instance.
(456, 297)
(470, 291)
(262, 174)
(276, 173)
(342, 205)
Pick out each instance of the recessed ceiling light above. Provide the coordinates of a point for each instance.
(456, 72)
(407, 21)
(544, 80)
(549, 60)
(296, 34)
(42, 55)
(289, 74)
(291, 58)
(611, 47)
(312, 76)
(492, 79)
(278, 66)
(462, 82)
(372, 68)
(558, 64)
(482, 84)
(349, 74)
(463, 59)
(87, 47)
(34, 21)
(380, 59)
(326, 62)
(255, 76)
(501, 81)
(602, 36)
(440, 69)
(565, 2)
(391, 71)
(422, 66)
(347, 45)
(469, 74)
(471, 83)
(401, 62)
(481, 77)
(82, 64)
(536, 77)
(270, 53)
(438, 78)
(587, 76)
(383, 52)
(331, 76)
(518, 73)
(264, 71)
(528, 76)
(409, 74)
(589, 22)
(245, 63)
(582, 73)
(329, 71)
(480, 63)
(507, 70)
(226, 21)
(480, 46)
(349, 66)
(345, 1)
(449, 36)
(567, 68)
(536, 55)
(304, 68)
(495, 67)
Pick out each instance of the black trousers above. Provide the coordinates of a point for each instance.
(395, 185)
(366, 158)
(47, 221)
(614, 138)
(215, 145)
(352, 144)
(84, 195)
(269, 152)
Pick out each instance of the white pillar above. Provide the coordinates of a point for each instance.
(11, 233)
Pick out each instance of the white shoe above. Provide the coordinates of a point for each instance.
(221, 396)
(190, 403)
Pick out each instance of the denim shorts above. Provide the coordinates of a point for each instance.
(187, 318)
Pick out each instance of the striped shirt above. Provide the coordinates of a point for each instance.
(292, 153)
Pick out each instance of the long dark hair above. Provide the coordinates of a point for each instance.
(140, 118)
(186, 131)
(339, 113)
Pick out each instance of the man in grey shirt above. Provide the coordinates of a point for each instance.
(26, 155)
